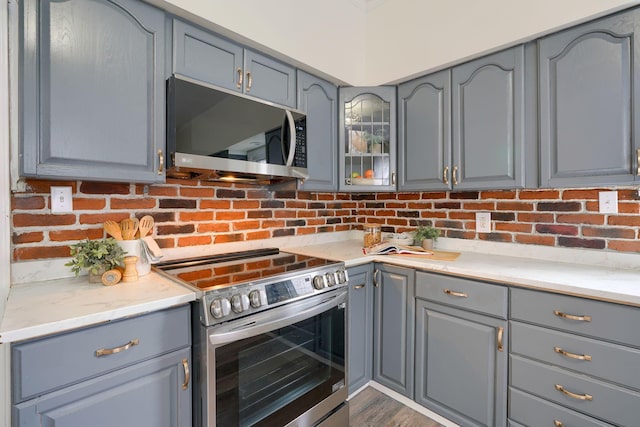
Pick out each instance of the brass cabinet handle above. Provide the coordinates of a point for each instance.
(375, 278)
(161, 162)
(358, 286)
(445, 175)
(572, 316)
(187, 374)
(557, 423)
(393, 178)
(455, 294)
(108, 351)
(572, 355)
(240, 78)
(638, 162)
(500, 335)
(573, 395)
(249, 82)
(455, 175)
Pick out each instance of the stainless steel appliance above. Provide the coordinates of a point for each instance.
(221, 135)
(269, 339)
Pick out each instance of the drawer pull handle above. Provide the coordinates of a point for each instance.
(573, 395)
(358, 286)
(187, 374)
(572, 316)
(572, 355)
(557, 423)
(455, 294)
(108, 351)
(500, 334)
(375, 278)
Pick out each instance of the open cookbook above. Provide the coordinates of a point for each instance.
(385, 248)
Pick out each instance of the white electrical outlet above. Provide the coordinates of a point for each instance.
(61, 200)
(483, 222)
(608, 201)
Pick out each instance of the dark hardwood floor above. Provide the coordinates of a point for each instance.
(371, 408)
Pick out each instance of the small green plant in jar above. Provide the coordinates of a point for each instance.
(96, 256)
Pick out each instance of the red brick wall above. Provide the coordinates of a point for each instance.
(202, 213)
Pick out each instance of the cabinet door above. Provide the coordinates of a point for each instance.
(367, 135)
(424, 132)
(589, 85)
(393, 327)
(360, 326)
(93, 90)
(488, 122)
(203, 56)
(319, 100)
(269, 79)
(149, 394)
(461, 372)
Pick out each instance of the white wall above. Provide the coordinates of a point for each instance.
(393, 39)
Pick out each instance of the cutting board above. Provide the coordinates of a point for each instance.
(435, 255)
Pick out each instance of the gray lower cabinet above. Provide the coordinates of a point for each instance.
(130, 373)
(572, 362)
(589, 83)
(461, 349)
(360, 326)
(92, 90)
(393, 327)
(464, 128)
(319, 100)
(204, 56)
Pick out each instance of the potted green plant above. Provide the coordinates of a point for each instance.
(425, 235)
(96, 256)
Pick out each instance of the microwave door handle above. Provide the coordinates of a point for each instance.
(292, 138)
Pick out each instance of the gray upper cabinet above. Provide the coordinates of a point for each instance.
(319, 100)
(589, 88)
(92, 90)
(204, 56)
(464, 128)
(393, 325)
(488, 122)
(424, 132)
(367, 137)
(360, 326)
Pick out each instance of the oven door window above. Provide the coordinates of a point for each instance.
(272, 378)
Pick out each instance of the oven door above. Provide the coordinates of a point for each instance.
(281, 366)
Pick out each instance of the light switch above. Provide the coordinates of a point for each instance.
(483, 222)
(61, 200)
(608, 201)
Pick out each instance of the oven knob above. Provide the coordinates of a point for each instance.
(331, 279)
(257, 298)
(220, 307)
(342, 276)
(318, 282)
(239, 303)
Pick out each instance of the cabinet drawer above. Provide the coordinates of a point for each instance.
(608, 361)
(463, 293)
(602, 320)
(608, 402)
(47, 364)
(532, 411)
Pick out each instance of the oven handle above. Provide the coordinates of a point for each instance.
(252, 329)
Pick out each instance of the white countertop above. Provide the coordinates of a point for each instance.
(43, 307)
(38, 309)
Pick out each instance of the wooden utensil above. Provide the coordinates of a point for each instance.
(113, 229)
(128, 227)
(146, 225)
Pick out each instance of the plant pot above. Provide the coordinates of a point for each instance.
(427, 244)
(96, 277)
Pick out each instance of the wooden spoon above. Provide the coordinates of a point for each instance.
(113, 229)
(128, 227)
(146, 225)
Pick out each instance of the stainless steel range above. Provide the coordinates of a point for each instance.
(268, 339)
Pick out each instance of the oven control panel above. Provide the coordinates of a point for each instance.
(238, 301)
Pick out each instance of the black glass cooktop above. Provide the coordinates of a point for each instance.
(218, 271)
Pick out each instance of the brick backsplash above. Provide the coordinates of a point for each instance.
(191, 213)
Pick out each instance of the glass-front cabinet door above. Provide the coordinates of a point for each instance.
(367, 139)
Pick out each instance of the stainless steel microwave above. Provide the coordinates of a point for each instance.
(221, 135)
